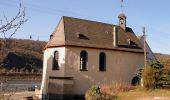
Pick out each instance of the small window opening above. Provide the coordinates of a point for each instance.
(82, 36)
(131, 43)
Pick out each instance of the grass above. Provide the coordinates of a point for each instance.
(142, 93)
(107, 92)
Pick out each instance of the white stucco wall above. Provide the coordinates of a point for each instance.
(47, 66)
(120, 66)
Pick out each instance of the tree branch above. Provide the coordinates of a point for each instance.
(14, 24)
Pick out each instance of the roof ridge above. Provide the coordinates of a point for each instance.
(88, 20)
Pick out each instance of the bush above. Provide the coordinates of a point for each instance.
(148, 76)
(93, 93)
(154, 76)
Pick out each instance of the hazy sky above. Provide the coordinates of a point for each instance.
(44, 16)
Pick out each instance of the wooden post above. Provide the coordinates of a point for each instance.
(144, 45)
(144, 48)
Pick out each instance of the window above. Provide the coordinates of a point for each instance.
(131, 43)
(82, 36)
(55, 61)
(102, 62)
(83, 60)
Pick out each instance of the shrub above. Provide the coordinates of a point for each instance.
(93, 93)
(154, 75)
(148, 76)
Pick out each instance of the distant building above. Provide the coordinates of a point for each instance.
(81, 53)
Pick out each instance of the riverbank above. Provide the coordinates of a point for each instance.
(19, 76)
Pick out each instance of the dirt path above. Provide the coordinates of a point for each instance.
(18, 95)
(154, 98)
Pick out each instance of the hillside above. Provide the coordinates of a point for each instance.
(21, 55)
(160, 56)
(164, 59)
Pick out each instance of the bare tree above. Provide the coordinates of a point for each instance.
(9, 26)
(14, 24)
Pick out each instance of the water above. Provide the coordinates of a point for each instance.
(18, 85)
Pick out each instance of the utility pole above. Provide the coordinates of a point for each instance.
(144, 44)
(144, 48)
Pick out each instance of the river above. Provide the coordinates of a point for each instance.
(18, 85)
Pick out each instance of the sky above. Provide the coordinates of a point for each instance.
(44, 15)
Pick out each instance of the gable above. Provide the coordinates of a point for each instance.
(58, 36)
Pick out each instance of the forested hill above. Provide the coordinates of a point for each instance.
(21, 54)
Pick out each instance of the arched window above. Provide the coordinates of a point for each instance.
(83, 60)
(135, 81)
(55, 61)
(102, 61)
